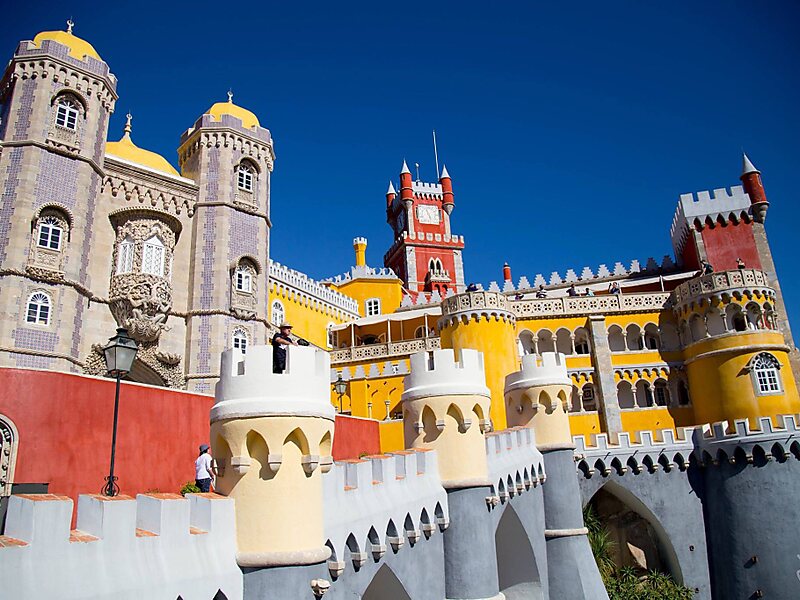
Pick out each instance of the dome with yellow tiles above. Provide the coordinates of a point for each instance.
(248, 119)
(127, 150)
(78, 48)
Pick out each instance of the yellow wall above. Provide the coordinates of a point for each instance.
(309, 322)
(391, 436)
(585, 423)
(389, 291)
(722, 389)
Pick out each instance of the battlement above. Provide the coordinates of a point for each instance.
(314, 290)
(359, 241)
(247, 387)
(731, 205)
(209, 122)
(723, 440)
(549, 368)
(515, 464)
(122, 547)
(438, 373)
(379, 502)
(28, 49)
(359, 271)
(431, 191)
(476, 305)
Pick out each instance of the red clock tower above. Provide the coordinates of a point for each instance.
(425, 254)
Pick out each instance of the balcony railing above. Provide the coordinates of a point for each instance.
(370, 351)
(717, 283)
(587, 305)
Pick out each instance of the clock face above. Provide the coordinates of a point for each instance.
(428, 214)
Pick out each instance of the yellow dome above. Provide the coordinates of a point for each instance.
(248, 119)
(78, 48)
(127, 150)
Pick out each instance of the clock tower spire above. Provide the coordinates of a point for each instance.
(425, 254)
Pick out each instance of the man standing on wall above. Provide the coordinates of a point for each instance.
(203, 469)
(279, 342)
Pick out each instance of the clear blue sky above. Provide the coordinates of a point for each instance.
(569, 132)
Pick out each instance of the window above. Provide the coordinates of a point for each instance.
(278, 314)
(50, 233)
(38, 309)
(332, 336)
(246, 177)
(67, 114)
(662, 392)
(125, 256)
(240, 340)
(766, 377)
(153, 257)
(373, 307)
(587, 393)
(244, 280)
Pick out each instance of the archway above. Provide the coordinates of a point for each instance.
(385, 586)
(639, 539)
(516, 564)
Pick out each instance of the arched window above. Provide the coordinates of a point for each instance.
(766, 374)
(125, 256)
(153, 257)
(651, 338)
(419, 332)
(662, 392)
(278, 314)
(50, 233)
(38, 309)
(67, 111)
(244, 280)
(372, 307)
(240, 339)
(246, 177)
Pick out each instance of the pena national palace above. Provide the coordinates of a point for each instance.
(427, 438)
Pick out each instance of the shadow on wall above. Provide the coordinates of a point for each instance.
(517, 571)
(385, 586)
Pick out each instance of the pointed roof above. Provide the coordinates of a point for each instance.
(405, 168)
(444, 172)
(747, 165)
(391, 189)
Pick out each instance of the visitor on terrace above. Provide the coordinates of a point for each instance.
(279, 342)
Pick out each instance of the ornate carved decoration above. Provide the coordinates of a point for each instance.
(166, 365)
(9, 445)
(46, 262)
(244, 303)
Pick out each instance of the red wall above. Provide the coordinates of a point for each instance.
(724, 244)
(65, 423)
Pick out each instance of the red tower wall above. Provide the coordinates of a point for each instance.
(725, 244)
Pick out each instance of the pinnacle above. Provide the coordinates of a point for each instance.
(405, 168)
(747, 165)
(391, 189)
(444, 172)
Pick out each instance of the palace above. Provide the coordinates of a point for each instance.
(435, 440)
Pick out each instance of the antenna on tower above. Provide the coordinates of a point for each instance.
(417, 165)
(436, 155)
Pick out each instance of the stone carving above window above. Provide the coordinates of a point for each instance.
(141, 293)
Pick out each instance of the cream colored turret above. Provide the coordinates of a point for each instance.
(271, 436)
(537, 395)
(446, 408)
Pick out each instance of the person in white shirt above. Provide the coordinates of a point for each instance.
(204, 469)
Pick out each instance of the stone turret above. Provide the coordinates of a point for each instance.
(536, 397)
(271, 436)
(445, 407)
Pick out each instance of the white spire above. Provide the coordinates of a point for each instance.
(444, 172)
(748, 166)
(127, 129)
(405, 168)
(391, 188)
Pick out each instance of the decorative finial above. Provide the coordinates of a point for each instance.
(127, 128)
(230, 96)
(70, 25)
(417, 165)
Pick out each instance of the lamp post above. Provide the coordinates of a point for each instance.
(119, 355)
(340, 386)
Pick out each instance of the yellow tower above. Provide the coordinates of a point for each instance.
(736, 358)
(271, 435)
(360, 246)
(445, 408)
(483, 321)
(537, 396)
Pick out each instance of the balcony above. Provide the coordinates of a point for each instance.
(722, 285)
(588, 305)
(376, 351)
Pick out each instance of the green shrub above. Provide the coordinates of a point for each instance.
(189, 488)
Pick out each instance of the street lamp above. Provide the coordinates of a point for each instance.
(119, 355)
(340, 386)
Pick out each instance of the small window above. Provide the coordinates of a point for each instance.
(245, 178)
(125, 256)
(67, 114)
(240, 340)
(278, 314)
(662, 393)
(766, 375)
(38, 309)
(50, 233)
(244, 280)
(153, 257)
(373, 307)
(587, 393)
